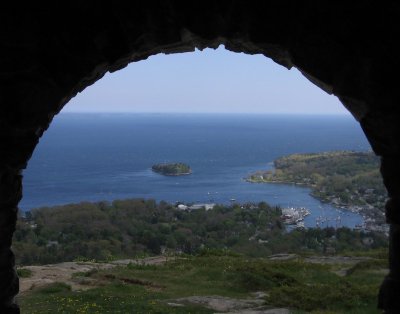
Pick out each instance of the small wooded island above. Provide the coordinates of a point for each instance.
(172, 169)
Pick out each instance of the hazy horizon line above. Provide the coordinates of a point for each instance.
(209, 113)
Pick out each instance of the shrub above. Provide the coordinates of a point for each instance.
(56, 287)
(24, 272)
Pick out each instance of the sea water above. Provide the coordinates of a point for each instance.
(92, 157)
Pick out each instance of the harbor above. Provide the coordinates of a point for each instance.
(295, 216)
(302, 217)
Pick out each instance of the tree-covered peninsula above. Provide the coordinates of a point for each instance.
(343, 178)
(172, 169)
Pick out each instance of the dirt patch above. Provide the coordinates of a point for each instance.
(229, 305)
(221, 304)
(266, 311)
(330, 260)
(154, 260)
(283, 257)
(47, 274)
(63, 272)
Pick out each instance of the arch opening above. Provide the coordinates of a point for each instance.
(84, 205)
(317, 99)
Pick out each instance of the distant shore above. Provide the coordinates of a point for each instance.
(345, 179)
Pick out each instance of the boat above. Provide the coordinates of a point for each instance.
(358, 226)
(294, 215)
(300, 224)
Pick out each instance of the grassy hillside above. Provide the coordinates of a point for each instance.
(297, 284)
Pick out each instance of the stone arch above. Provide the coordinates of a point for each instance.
(49, 54)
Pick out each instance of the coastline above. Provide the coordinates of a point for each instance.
(374, 219)
(173, 174)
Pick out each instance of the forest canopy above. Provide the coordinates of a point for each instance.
(137, 227)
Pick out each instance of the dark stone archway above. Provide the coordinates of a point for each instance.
(49, 54)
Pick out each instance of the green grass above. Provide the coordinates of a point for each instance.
(24, 272)
(297, 285)
(114, 298)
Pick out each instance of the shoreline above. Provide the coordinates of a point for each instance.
(173, 174)
(369, 215)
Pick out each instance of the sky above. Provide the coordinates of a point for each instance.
(208, 81)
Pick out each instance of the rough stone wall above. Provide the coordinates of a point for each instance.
(50, 53)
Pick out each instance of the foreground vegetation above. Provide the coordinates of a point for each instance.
(222, 252)
(126, 228)
(297, 284)
(343, 178)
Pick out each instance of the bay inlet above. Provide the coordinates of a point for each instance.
(93, 157)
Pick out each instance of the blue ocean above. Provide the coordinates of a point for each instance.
(92, 157)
